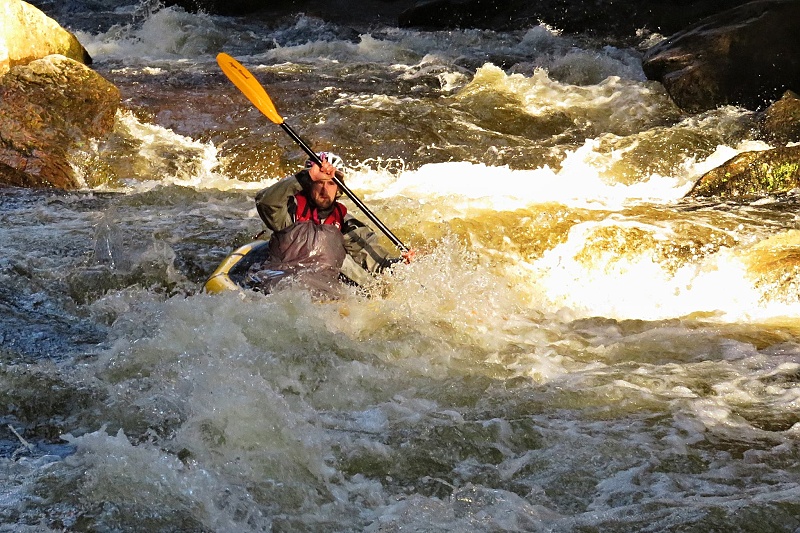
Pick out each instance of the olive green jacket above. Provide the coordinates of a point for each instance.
(276, 206)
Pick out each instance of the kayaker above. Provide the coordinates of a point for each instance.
(313, 236)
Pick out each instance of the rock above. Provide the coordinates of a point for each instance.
(746, 56)
(780, 122)
(610, 18)
(51, 107)
(27, 34)
(753, 174)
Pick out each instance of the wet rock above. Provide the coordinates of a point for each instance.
(753, 174)
(780, 122)
(601, 17)
(27, 34)
(50, 108)
(746, 56)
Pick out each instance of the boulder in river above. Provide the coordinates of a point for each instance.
(50, 108)
(753, 174)
(780, 122)
(746, 56)
(27, 34)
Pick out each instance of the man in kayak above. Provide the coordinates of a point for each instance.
(314, 239)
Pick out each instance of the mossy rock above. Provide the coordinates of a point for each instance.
(780, 122)
(753, 174)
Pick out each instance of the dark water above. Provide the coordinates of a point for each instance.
(577, 347)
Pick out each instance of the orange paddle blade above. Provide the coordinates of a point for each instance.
(246, 83)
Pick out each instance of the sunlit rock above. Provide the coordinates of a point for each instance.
(745, 56)
(51, 107)
(27, 34)
(753, 174)
(780, 122)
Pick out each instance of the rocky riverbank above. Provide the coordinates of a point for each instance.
(51, 103)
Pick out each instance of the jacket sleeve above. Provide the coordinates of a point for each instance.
(273, 203)
(362, 245)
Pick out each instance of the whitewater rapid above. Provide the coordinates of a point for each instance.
(576, 346)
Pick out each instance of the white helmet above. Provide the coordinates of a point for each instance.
(331, 158)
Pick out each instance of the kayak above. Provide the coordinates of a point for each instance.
(231, 274)
(316, 272)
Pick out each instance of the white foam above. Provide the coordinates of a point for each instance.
(168, 158)
(467, 187)
(169, 33)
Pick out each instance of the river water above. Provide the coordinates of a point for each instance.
(576, 348)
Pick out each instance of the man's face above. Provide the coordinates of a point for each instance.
(323, 193)
(323, 188)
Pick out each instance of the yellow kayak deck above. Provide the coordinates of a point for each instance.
(230, 274)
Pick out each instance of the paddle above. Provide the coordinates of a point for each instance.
(256, 93)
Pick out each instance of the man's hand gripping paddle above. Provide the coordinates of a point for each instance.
(256, 93)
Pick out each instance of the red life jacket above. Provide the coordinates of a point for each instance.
(307, 211)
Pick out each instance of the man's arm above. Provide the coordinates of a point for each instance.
(362, 245)
(272, 203)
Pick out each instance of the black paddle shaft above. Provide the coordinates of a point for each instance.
(339, 183)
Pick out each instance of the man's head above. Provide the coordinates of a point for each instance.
(331, 158)
(321, 189)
